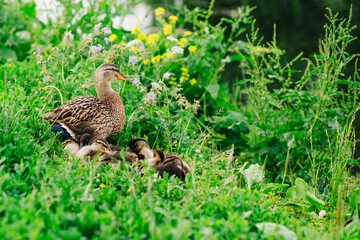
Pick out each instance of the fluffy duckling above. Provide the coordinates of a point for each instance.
(141, 147)
(98, 147)
(101, 116)
(116, 152)
(169, 163)
(71, 146)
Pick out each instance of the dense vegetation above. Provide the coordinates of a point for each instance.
(269, 154)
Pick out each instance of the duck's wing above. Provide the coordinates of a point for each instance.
(78, 111)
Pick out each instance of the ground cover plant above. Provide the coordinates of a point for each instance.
(272, 166)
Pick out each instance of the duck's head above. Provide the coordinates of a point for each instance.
(100, 144)
(108, 72)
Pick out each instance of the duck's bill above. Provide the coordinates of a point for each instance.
(123, 77)
(108, 151)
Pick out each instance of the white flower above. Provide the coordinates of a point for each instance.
(172, 39)
(177, 50)
(133, 43)
(97, 27)
(166, 75)
(322, 214)
(69, 35)
(151, 96)
(226, 60)
(106, 30)
(99, 47)
(137, 81)
(155, 85)
(94, 50)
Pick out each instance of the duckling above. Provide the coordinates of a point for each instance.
(97, 145)
(141, 147)
(116, 152)
(169, 163)
(71, 146)
(102, 116)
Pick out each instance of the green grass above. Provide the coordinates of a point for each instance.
(299, 131)
(46, 194)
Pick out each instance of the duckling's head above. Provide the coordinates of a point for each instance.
(71, 146)
(141, 147)
(174, 166)
(181, 164)
(100, 144)
(108, 72)
(158, 159)
(85, 139)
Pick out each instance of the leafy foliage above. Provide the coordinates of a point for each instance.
(295, 130)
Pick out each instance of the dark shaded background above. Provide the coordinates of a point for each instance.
(299, 23)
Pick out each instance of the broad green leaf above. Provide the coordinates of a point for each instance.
(23, 35)
(291, 193)
(29, 9)
(319, 204)
(8, 54)
(301, 188)
(253, 174)
(213, 89)
(273, 230)
(273, 187)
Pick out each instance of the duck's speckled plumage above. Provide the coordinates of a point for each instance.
(102, 116)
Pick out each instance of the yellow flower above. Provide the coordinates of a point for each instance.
(134, 49)
(152, 38)
(10, 64)
(192, 48)
(169, 55)
(187, 33)
(136, 30)
(167, 29)
(159, 11)
(173, 19)
(128, 191)
(156, 59)
(146, 61)
(141, 36)
(193, 81)
(112, 37)
(102, 185)
(185, 74)
(182, 42)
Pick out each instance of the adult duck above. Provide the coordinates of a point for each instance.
(101, 116)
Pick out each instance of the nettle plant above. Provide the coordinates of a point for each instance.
(155, 106)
